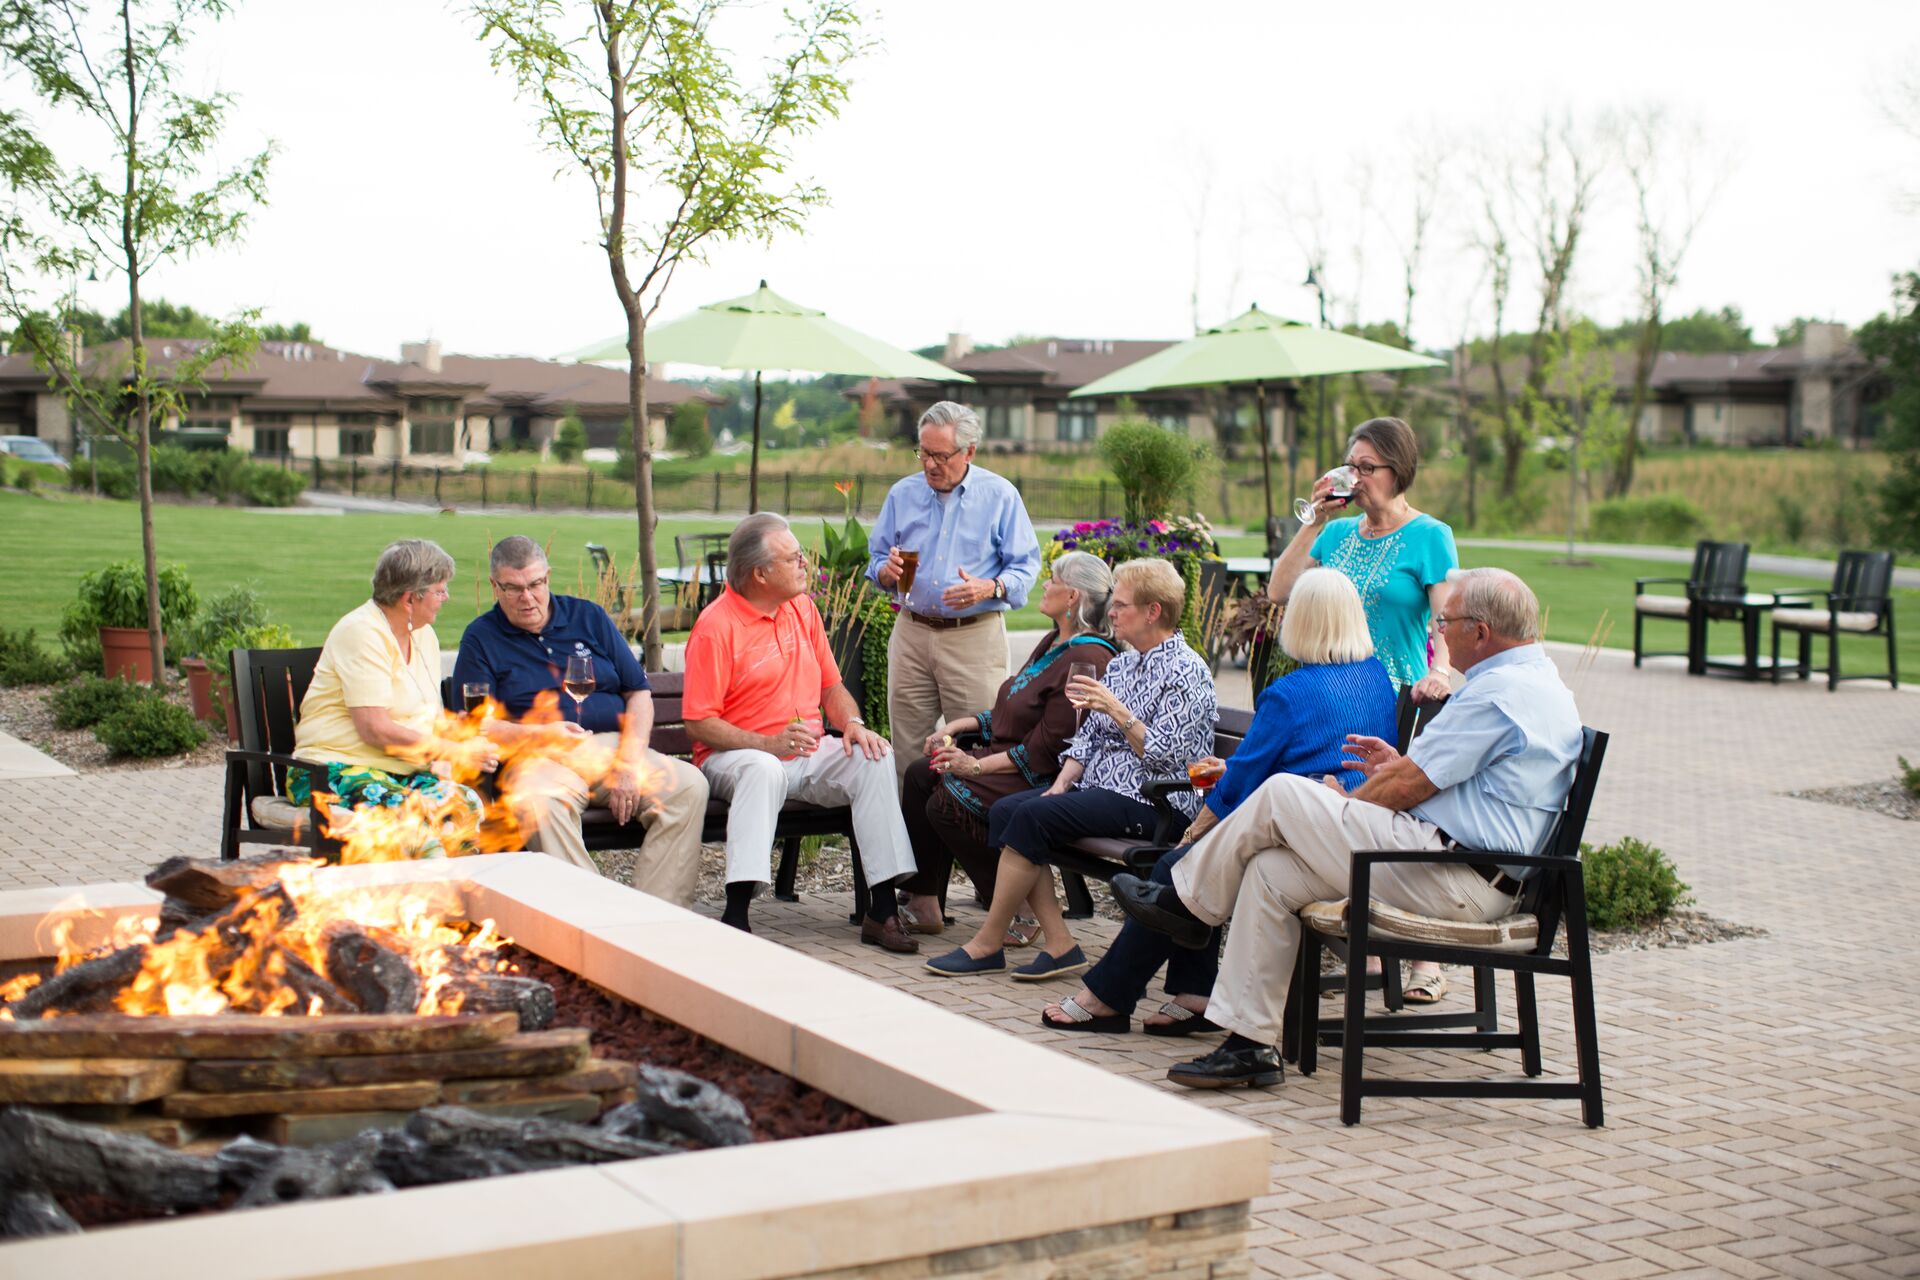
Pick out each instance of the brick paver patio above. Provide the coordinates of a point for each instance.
(1763, 1095)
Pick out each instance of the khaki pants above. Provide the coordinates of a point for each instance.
(549, 799)
(1291, 843)
(940, 673)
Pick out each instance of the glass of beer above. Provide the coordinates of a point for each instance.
(474, 696)
(1203, 774)
(909, 566)
(1342, 493)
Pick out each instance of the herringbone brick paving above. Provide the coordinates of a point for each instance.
(1763, 1095)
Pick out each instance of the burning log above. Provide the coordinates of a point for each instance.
(528, 999)
(88, 987)
(308, 985)
(40, 1153)
(211, 885)
(377, 979)
(683, 1106)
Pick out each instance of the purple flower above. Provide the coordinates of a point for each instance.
(1142, 544)
(1069, 544)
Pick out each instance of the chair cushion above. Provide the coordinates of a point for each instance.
(1665, 606)
(1816, 619)
(277, 813)
(1517, 932)
(1112, 848)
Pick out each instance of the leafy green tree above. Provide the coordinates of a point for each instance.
(1157, 469)
(643, 98)
(107, 71)
(687, 430)
(570, 438)
(1579, 409)
(1894, 339)
(299, 331)
(1794, 331)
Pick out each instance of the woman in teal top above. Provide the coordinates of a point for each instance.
(1396, 556)
(1399, 559)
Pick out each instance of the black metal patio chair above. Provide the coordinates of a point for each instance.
(1859, 603)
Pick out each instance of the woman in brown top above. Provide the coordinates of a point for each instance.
(945, 796)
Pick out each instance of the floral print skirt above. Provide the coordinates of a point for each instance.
(358, 786)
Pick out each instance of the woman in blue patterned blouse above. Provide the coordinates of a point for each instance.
(1299, 725)
(1399, 558)
(1151, 716)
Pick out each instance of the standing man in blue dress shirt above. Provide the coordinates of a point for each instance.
(598, 751)
(978, 560)
(1491, 773)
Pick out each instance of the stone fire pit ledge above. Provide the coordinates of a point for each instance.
(1000, 1151)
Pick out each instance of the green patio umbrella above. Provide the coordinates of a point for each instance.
(761, 331)
(1258, 348)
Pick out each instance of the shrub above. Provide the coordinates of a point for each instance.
(238, 608)
(1157, 470)
(1663, 518)
(570, 439)
(1793, 518)
(178, 470)
(116, 479)
(1909, 778)
(91, 699)
(22, 661)
(266, 486)
(1630, 884)
(116, 596)
(150, 726)
(25, 478)
(687, 430)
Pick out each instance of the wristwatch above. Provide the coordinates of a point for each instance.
(999, 589)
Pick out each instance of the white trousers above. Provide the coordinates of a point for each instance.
(757, 783)
(1291, 843)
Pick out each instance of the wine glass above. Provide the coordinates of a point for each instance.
(1343, 480)
(474, 695)
(1079, 669)
(579, 680)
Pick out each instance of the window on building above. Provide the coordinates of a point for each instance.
(1000, 421)
(270, 442)
(1079, 420)
(1169, 417)
(356, 442)
(431, 437)
(269, 419)
(355, 419)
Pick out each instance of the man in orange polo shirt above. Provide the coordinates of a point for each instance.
(759, 673)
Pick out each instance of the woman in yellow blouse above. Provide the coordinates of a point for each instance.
(371, 711)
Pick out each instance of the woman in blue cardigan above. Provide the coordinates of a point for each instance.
(1299, 725)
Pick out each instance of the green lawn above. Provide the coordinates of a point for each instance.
(313, 568)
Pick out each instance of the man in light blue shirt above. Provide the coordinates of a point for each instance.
(977, 558)
(1492, 772)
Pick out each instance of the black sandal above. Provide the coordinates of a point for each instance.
(1185, 1022)
(1078, 1019)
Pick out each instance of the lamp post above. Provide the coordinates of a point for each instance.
(1320, 428)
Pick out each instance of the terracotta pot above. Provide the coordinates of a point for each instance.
(126, 653)
(199, 687)
(223, 703)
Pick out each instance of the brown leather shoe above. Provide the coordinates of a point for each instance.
(887, 933)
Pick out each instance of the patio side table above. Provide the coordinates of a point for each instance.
(1748, 608)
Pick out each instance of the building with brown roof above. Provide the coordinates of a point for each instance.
(305, 399)
(1021, 393)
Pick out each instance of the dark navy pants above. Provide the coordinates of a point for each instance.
(1033, 823)
(1122, 975)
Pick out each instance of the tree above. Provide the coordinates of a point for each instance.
(1702, 333)
(1156, 468)
(687, 430)
(110, 69)
(1895, 340)
(1579, 409)
(641, 98)
(1794, 331)
(1671, 191)
(570, 438)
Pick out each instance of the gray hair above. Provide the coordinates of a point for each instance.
(1089, 575)
(1499, 599)
(964, 421)
(411, 564)
(516, 551)
(1325, 621)
(747, 548)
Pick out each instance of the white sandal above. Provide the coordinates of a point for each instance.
(1425, 988)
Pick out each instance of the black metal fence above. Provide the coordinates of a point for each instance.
(793, 493)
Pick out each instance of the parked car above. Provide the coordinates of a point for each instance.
(32, 449)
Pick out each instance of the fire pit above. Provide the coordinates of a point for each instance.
(995, 1149)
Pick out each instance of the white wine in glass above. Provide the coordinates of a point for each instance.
(579, 680)
(1079, 669)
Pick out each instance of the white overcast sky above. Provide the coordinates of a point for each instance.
(1029, 167)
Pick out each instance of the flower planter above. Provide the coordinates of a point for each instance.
(199, 687)
(126, 652)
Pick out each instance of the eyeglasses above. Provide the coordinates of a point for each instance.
(928, 455)
(1366, 469)
(533, 588)
(1117, 603)
(1441, 621)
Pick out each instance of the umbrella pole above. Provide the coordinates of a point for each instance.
(1266, 454)
(753, 469)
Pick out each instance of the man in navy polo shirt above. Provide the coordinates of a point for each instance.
(598, 753)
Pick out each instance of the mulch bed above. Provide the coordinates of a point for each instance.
(1888, 797)
(25, 714)
(779, 1106)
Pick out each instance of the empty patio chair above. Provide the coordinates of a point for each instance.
(1719, 571)
(702, 559)
(1859, 603)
